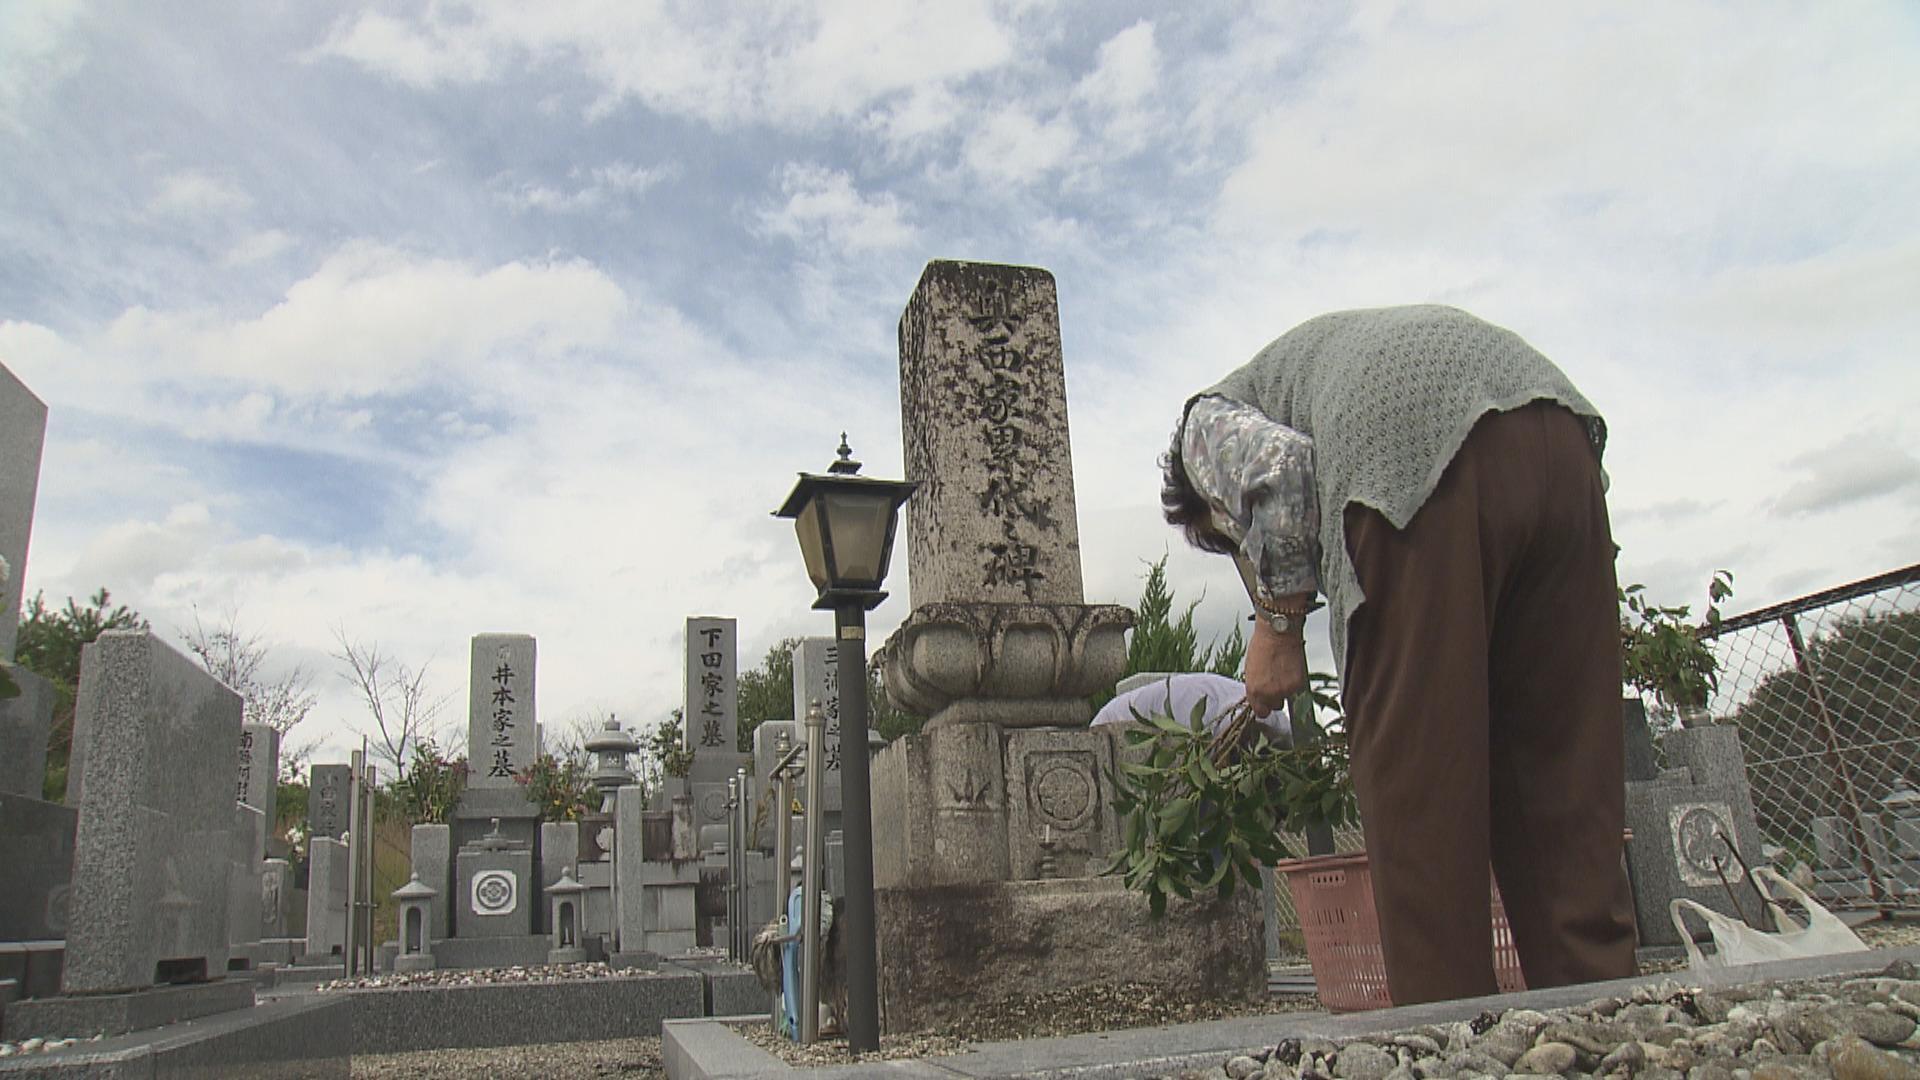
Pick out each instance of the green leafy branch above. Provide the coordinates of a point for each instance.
(1203, 811)
(1665, 655)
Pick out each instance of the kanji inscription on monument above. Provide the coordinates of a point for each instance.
(816, 677)
(711, 720)
(503, 735)
(983, 405)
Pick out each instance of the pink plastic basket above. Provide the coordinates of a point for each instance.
(1333, 896)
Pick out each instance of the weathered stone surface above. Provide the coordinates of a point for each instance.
(23, 431)
(328, 787)
(983, 405)
(816, 677)
(503, 730)
(149, 900)
(326, 897)
(1015, 665)
(1060, 817)
(36, 867)
(433, 864)
(24, 723)
(944, 949)
(940, 808)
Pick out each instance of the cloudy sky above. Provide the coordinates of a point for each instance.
(413, 321)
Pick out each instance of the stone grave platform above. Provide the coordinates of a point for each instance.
(86, 1015)
(395, 1020)
(943, 948)
(307, 1037)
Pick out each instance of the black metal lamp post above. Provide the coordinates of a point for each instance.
(846, 524)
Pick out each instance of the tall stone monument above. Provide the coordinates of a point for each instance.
(1003, 803)
(258, 778)
(710, 721)
(327, 789)
(816, 677)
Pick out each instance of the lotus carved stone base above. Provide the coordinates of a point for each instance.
(1014, 665)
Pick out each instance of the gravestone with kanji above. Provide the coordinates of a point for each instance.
(503, 734)
(816, 677)
(710, 717)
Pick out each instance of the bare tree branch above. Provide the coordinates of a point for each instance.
(395, 694)
(239, 659)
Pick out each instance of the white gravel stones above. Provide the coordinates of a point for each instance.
(478, 976)
(1856, 1029)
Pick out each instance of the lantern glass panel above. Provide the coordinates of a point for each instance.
(808, 527)
(860, 523)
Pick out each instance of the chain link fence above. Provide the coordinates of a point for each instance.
(1826, 691)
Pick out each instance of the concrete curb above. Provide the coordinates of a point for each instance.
(296, 1037)
(710, 1050)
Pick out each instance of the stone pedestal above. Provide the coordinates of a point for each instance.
(1014, 665)
(945, 950)
(244, 898)
(970, 803)
(495, 893)
(1678, 822)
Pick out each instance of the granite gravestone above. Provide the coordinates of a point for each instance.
(711, 718)
(503, 734)
(503, 738)
(816, 677)
(150, 882)
(326, 899)
(328, 787)
(1691, 826)
(257, 787)
(495, 890)
(23, 431)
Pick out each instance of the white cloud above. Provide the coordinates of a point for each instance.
(35, 53)
(592, 188)
(1859, 467)
(193, 193)
(722, 65)
(1127, 70)
(373, 319)
(1015, 148)
(258, 247)
(823, 204)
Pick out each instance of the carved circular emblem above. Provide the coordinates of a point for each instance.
(1700, 838)
(495, 892)
(713, 805)
(1063, 794)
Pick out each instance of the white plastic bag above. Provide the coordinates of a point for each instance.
(1736, 943)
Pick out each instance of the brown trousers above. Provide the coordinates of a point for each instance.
(1483, 702)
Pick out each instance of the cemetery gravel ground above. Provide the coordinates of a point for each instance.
(1065, 1013)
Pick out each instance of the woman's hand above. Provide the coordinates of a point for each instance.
(1276, 667)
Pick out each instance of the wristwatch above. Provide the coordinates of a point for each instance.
(1283, 620)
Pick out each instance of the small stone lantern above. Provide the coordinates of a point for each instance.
(610, 747)
(566, 896)
(415, 899)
